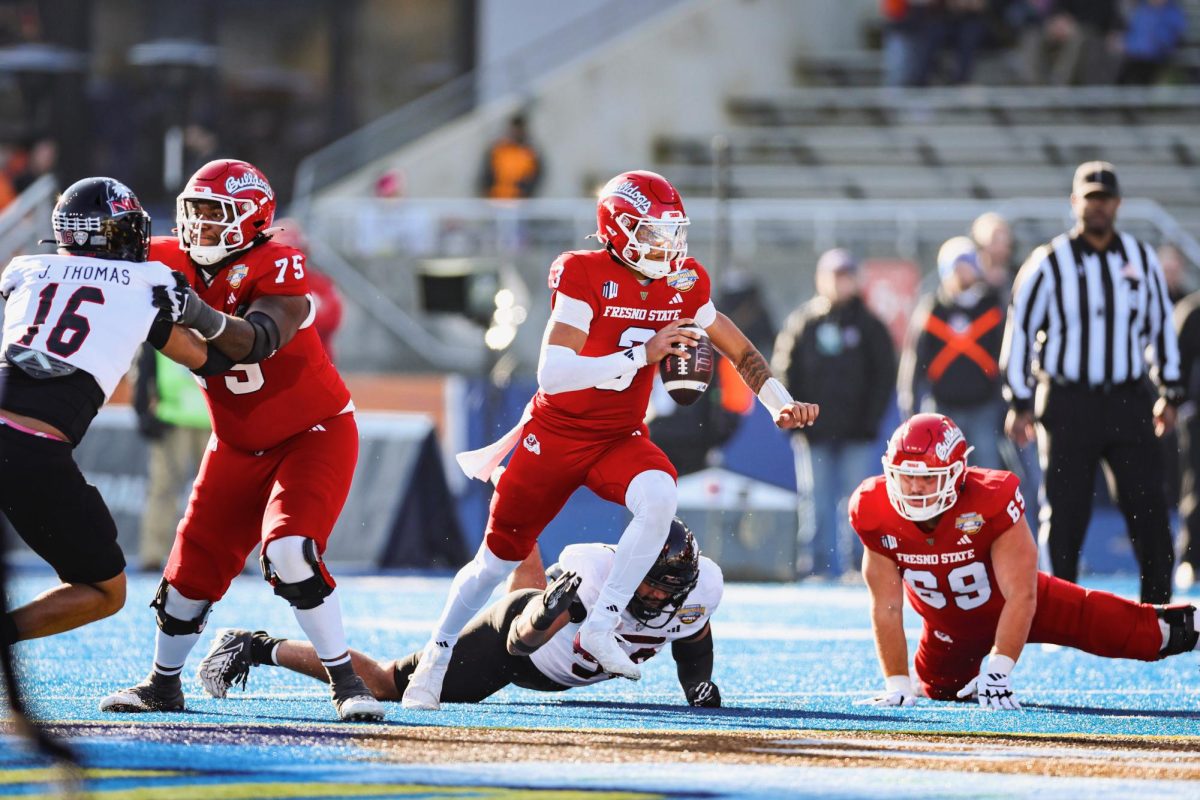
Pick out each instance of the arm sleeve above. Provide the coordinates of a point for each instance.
(160, 332)
(570, 311)
(1026, 316)
(706, 315)
(694, 658)
(561, 369)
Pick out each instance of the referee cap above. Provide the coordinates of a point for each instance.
(1095, 176)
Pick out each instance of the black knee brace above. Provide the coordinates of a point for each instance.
(1181, 619)
(173, 626)
(308, 593)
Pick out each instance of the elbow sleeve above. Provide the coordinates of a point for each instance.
(266, 337)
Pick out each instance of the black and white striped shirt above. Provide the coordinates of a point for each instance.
(1088, 318)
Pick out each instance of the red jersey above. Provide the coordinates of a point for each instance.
(947, 572)
(624, 313)
(258, 406)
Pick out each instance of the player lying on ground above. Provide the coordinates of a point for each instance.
(530, 637)
(955, 540)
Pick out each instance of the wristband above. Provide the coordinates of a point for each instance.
(997, 662)
(774, 396)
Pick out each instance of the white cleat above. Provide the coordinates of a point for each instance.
(358, 704)
(424, 690)
(601, 644)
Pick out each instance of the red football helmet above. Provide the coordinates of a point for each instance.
(640, 217)
(222, 208)
(925, 465)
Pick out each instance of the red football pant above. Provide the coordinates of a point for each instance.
(1099, 623)
(241, 499)
(544, 472)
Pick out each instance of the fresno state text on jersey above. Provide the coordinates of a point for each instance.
(947, 572)
(258, 406)
(624, 313)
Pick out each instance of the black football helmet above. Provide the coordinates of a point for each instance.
(676, 570)
(102, 218)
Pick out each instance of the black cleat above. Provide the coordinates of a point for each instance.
(149, 695)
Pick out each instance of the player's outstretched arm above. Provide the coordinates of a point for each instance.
(1014, 560)
(545, 615)
(694, 665)
(728, 338)
(887, 622)
(186, 347)
(562, 369)
(269, 324)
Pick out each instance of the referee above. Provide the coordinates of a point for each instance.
(1090, 320)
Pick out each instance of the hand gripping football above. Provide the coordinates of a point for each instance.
(687, 377)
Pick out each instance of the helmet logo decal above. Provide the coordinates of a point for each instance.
(120, 205)
(945, 447)
(629, 192)
(235, 184)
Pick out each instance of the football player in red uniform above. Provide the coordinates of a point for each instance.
(954, 539)
(284, 445)
(617, 311)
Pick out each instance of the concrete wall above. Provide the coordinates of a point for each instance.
(601, 114)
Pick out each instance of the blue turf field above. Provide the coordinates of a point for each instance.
(788, 658)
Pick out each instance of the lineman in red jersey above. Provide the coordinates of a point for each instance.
(617, 311)
(285, 442)
(955, 538)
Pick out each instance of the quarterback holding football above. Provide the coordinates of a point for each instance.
(617, 312)
(954, 539)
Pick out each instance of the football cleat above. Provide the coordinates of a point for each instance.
(354, 701)
(424, 691)
(146, 696)
(599, 643)
(227, 663)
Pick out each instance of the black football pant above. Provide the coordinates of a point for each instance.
(1080, 428)
(1189, 494)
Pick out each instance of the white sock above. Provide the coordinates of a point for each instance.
(651, 497)
(471, 588)
(323, 627)
(170, 652)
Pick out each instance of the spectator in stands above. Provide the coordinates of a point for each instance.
(1065, 42)
(512, 167)
(964, 27)
(1175, 270)
(1187, 323)
(836, 347)
(993, 238)
(173, 419)
(912, 33)
(41, 159)
(1156, 28)
(950, 360)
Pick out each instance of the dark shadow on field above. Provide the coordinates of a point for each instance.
(747, 717)
(1165, 713)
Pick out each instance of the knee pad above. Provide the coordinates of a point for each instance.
(1181, 619)
(167, 599)
(653, 495)
(295, 555)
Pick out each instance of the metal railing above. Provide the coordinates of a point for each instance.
(27, 219)
(377, 248)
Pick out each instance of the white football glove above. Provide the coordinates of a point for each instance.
(898, 691)
(993, 686)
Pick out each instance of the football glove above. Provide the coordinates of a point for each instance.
(184, 307)
(704, 694)
(555, 599)
(898, 691)
(993, 686)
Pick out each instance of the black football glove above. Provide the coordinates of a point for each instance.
(555, 599)
(184, 307)
(151, 427)
(704, 694)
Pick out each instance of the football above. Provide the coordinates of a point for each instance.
(687, 377)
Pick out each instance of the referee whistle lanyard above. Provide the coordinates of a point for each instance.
(965, 343)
